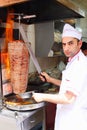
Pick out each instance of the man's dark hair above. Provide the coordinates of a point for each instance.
(84, 46)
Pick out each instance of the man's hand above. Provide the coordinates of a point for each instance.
(44, 77)
(38, 97)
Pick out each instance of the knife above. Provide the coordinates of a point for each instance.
(34, 59)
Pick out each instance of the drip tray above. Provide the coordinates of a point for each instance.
(22, 102)
(25, 107)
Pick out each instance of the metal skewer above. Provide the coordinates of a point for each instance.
(1, 85)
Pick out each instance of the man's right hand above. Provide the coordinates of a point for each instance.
(44, 77)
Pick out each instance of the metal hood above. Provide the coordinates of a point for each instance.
(44, 10)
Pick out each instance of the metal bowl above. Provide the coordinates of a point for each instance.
(26, 94)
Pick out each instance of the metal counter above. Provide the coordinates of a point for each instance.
(14, 120)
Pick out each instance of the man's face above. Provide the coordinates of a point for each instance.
(71, 46)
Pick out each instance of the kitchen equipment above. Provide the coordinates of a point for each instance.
(40, 7)
(1, 86)
(22, 102)
(15, 120)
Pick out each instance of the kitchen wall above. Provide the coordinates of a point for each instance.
(82, 23)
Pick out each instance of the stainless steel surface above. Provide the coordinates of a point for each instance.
(1, 85)
(44, 38)
(25, 107)
(30, 49)
(26, 94)
(14, 120)
(34, 120)
(73, 6)
(82, 4)
(24, 102)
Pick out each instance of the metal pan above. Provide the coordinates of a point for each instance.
(25, 107)
(26, 102)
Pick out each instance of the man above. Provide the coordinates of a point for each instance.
(71, 113)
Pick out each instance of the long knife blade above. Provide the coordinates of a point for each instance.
(34, 59)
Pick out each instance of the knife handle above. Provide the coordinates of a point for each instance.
(43, 77)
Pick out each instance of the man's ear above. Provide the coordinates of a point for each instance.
(80, 43)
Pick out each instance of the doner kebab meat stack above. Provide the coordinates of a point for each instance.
(19, 65)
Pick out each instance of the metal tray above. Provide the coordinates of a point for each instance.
(23, 107)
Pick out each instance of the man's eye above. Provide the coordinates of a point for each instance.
(63, 44)
(70, 43)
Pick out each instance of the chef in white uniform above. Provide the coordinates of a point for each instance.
(71, 113)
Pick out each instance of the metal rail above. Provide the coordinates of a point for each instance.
(1, 85)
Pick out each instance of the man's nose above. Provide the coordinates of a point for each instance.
(66, 47)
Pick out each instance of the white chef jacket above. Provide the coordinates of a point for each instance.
(74, 79)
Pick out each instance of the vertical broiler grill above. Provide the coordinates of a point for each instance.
(19, 63)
